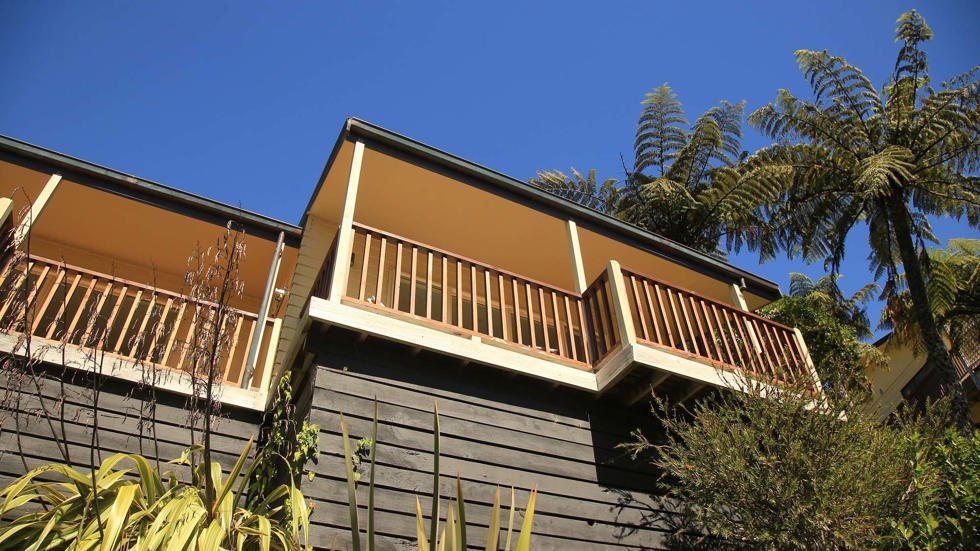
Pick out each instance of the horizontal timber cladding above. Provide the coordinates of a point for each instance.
(496, 429)
(29, 437)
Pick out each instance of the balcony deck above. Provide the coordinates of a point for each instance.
(143, 326)
(622, 320)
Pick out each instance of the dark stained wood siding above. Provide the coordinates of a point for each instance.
(28, 440)
(496, 429)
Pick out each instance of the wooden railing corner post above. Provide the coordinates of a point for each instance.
(805, 352)
(620, 304)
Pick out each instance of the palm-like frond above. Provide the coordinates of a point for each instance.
(584, 190)
(661, 131)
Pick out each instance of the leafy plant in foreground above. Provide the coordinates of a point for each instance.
(452, 537)
(143, 509)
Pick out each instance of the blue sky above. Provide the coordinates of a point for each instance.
(242, 101)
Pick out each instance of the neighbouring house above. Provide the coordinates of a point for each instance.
(908, 380)
(539, 326)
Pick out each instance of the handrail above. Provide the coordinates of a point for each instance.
(125, 318)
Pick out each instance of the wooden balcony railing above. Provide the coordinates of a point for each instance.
(123, 318)
(603, 329)
(671, 317)
(396, 274)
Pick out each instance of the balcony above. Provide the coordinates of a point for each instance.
(622, 320)
(130, 324)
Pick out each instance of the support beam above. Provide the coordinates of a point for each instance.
(578, 268)
(695, 388)
(647, 390)
(345, 234)
(32, 215)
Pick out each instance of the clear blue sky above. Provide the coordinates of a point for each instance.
(242, 101)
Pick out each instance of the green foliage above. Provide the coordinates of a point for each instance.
(684, 183)
(946, 500)
(141, 508)
(953, 286)
(831, 325)
(584, 190)
(452, 537)
(852, 156)
(773, 472)
(297, 446)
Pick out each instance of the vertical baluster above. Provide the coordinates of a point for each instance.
(411, 281)
(558, 330)
(605, 315)
(38, 314)
(503, 307)
(379, 288)
(365, 263)
(687, 322)
(640, 306)
(473, 298)
(530, 315)
(662, 312)
(517, 312)
(231, 352)
(767, 345)
(677, 320)
(146, 318)
(81, 307)
(428, 285)
(129, 317)
(486, 285)
(445, 289)
(571, 330)
(791, 352)
(112, 315)
(93, 323)
(654, 307)
(190, 338)
(721, 335)
(544, 320)
(19, 279)
(173, 332)
(587, 341)
(159, 329)
(64, 306)
(735, 338)
(704, 337)
(398, 277)
(459, 294)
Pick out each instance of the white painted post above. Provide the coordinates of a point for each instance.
(345, 233)
(578, 269)
(624, 319)
(817, 384)
(6, 208)
(739, 300)
(36, 208)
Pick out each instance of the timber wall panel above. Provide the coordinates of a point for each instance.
(27, 437)
(495, 430)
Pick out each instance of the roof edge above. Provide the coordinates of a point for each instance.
(60, 160)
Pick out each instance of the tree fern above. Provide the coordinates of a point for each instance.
(852, 157)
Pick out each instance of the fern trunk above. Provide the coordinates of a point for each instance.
(936, 350)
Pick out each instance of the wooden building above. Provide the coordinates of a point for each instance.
(538, 325)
